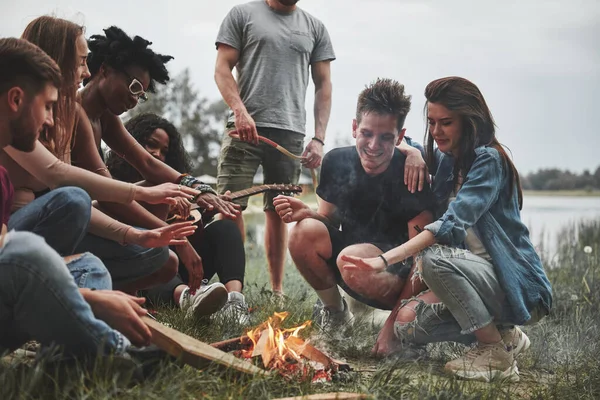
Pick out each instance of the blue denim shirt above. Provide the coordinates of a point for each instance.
(485, 204)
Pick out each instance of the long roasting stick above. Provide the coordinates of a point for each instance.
(192, 351)
(283, 150)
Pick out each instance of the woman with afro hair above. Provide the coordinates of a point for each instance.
(123, 70)
(220, 244)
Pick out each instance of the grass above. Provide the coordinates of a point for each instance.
(561, 364)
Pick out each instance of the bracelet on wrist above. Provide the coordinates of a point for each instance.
(385, 262)
(203, 188)
(189, 181)
(180, 177)
(316, 139)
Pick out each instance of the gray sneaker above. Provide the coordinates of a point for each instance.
(207, 300)
(236, 309)
(327, 319)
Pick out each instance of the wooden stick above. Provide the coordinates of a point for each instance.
(285, 151)
(330, 396)
(234, 342)
(192, 351)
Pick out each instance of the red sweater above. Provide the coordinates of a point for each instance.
(6, 195)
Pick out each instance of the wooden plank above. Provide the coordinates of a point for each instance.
(192, 351)
(330, 396)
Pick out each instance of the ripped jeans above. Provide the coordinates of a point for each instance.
(470, 296)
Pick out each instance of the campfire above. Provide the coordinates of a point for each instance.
(284, 351)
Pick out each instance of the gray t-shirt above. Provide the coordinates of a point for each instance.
(276, 51)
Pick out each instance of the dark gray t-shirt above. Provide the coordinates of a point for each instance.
(276, 51)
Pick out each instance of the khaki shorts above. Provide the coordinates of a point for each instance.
(239, 161)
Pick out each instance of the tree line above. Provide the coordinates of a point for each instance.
(556, 179)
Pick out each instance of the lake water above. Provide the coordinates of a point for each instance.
(545, 216)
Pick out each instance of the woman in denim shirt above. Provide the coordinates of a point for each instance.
(479, 294)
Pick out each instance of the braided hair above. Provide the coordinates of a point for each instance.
(141, 128)
(117, 50)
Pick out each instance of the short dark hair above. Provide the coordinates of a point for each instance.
(384, 96)
(25, 65)
(117, 50)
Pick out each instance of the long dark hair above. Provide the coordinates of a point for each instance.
(141, 127)
(57, 37)
(462, 96)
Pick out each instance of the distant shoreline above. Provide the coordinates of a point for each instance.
(569, 193)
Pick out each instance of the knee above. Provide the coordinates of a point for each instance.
(305, 235)
(224, 231)
(352, 250)
(76, 201)
(30, 250)
(407, 313)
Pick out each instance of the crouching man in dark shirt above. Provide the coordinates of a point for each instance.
(364, 209)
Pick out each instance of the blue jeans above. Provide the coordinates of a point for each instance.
(61, 217)
(40, 301)
(471, 298)
(125, 263)
(89, 272)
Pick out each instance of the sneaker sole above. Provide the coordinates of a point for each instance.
(214, 299)
(511, 374)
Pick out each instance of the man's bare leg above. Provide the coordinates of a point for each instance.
(310, 248)
(276, 234)
(383, 287)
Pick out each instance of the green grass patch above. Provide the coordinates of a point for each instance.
(562, 363)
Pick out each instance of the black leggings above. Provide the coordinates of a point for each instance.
(222, 250)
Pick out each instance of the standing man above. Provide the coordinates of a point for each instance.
(273, 44)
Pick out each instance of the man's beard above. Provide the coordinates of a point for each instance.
(23, 136)
(288, 2)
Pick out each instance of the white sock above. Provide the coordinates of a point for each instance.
(182, 294)
(331, 298)
(233, 295)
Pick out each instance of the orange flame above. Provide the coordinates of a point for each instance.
(276, 346)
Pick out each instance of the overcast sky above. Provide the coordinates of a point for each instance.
(536, 61)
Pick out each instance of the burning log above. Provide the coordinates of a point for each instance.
(283, 350)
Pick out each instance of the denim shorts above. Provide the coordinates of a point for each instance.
(239, 161)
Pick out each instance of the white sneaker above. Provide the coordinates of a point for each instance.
(236, 309)
(207, 300)
(516, 341)
(485, 362)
